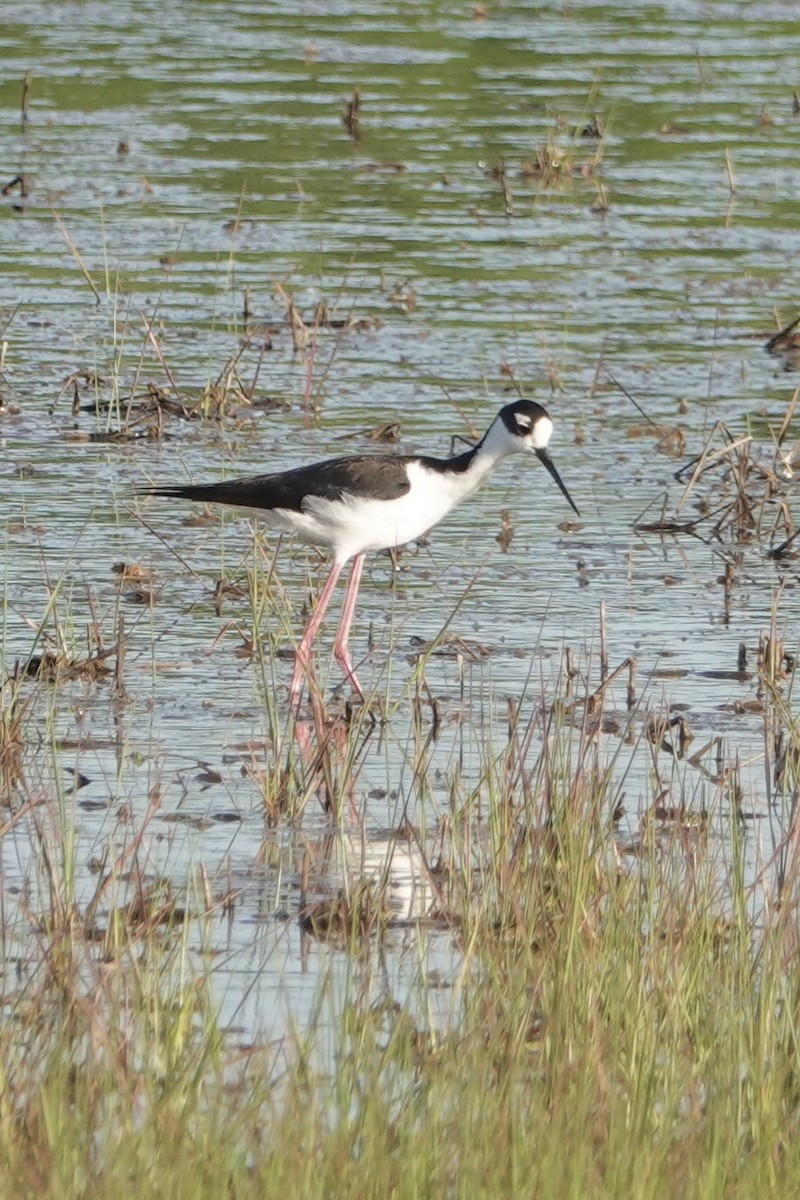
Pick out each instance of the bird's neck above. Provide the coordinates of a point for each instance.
(469, 470)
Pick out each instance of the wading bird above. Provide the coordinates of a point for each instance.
(372, 502)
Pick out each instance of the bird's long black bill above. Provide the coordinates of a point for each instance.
(547, 461)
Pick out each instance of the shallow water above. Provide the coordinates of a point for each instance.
(237, 173)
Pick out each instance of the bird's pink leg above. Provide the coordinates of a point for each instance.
(340, 650)
(302, 657)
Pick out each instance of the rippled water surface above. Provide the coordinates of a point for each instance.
(594, 204)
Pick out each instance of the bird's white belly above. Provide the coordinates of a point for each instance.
(356, 524)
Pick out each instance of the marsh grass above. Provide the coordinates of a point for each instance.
(622, 1018)
(134, 390)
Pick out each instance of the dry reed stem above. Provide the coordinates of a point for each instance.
(76, 254)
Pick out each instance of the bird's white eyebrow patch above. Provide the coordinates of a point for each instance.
(542, 431)
(523, 422)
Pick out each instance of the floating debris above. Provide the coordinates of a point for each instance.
(352, 116)
(785, 344)
(355, 913)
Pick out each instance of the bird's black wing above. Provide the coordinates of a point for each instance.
(383, 476)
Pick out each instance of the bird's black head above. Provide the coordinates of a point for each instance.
(527, 427)
(527, 420)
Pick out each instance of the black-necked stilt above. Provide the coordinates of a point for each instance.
(373, 502)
